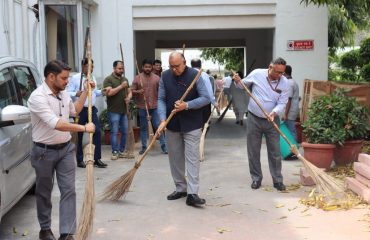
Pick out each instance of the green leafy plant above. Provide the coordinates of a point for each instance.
(335, 118)
(104, 120)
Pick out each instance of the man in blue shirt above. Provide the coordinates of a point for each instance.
(270, 88)
(184, 130)
(75, 93)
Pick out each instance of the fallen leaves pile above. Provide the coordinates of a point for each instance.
(346, 201)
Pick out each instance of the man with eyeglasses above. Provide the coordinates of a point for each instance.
(270, 88)
(184, 130)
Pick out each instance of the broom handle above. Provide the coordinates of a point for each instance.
(87, 36)
(138, 162)
(89, 67)
(183, 49)
(292, 147)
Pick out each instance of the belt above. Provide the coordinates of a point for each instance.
(254, 115)
(53, 146)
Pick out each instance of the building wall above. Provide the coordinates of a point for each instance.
(296, 22)
(262, 26)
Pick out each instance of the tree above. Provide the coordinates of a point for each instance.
(345, 18)
(232, 58)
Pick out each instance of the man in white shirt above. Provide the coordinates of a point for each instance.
(50, 108)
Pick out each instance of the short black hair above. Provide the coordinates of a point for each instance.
(146, 61)
(86, 61)
(279, 61)
(288, 70)
(157, 61)
(196, 63)
(56, 67)
(115, 63)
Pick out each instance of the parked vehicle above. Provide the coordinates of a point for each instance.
(18, 78)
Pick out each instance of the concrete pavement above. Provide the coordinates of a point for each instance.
(233, 210)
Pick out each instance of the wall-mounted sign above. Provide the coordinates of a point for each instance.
(300, 45)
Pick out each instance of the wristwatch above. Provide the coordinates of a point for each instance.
(187, 106)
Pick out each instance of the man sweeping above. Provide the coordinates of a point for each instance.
(270, 88)
(184, 129)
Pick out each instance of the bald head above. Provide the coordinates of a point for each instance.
(177, 63)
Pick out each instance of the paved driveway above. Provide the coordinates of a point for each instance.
(234, 211)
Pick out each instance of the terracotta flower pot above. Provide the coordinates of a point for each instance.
(347, 153)
(320, 155)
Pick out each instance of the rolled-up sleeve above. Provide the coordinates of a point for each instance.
(41, 108)
(161, 101)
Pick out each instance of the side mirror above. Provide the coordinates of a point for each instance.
(16, 114)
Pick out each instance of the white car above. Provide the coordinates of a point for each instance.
(18, 78)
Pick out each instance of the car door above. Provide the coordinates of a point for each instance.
(15, 140)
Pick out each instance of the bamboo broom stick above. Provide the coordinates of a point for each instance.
(130, 144)
(121, 186)
(86, 220)
(326, 184)
(203, 136)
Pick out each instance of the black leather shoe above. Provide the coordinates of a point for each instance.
(98, 163)
(66, 237)
(256, 184)
(176, 195)
(81, 164)
(279, 186)
(46, 235)
(194, 200)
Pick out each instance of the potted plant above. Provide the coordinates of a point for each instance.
(323, 129)
(355, 122)
(104, 125)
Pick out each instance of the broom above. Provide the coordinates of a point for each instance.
(130, 145)
(77, 118)
(88, 208)
(148, 117)
(203, 136)
(326, 184)
(121, 186)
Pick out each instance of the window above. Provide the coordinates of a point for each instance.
(26, 82)
(8, 95)
(61, 33)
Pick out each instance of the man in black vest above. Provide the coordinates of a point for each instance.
(184, 130)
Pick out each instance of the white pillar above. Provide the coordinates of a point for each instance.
(25, 32)
(11, 27)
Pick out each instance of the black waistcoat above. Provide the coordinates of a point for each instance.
(175, 87)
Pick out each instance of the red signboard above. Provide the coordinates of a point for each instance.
(300, 45)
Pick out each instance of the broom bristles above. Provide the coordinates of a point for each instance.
(202, 141)
(326, 184)
(120, 187)
(85, 224)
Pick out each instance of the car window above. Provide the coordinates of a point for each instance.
(26, 82)
(8, 95)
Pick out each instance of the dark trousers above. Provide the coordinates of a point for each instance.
(97, 135)
(256, 127)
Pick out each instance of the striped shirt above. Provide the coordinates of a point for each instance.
(270, 100)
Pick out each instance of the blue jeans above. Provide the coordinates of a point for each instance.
(118, 121)
(291, 126)
(144, 125)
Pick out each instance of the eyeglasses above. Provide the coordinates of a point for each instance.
(276, 72)
(175, 66)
